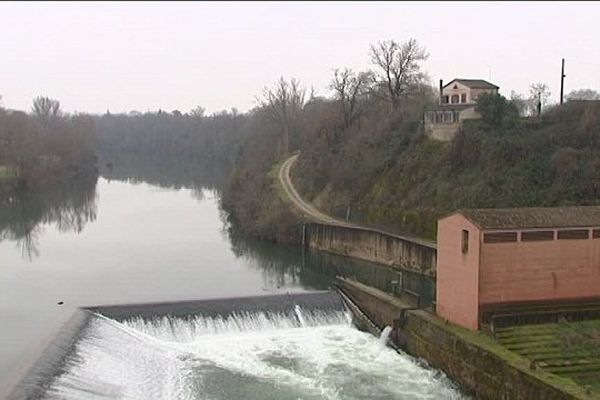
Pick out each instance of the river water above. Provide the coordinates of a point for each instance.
(124, 240)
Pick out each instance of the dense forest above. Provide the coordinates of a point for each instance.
(205, 142)
(363, 151)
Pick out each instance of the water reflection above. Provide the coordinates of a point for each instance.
(165, 172)
(148, 243)
(68, 205)
(295, 266)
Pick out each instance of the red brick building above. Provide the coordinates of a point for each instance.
(490, 257)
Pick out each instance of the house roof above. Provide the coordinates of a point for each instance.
(473, 83)
(535, 217)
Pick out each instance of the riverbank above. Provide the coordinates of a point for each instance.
(479, 364)
(258, 206)
(485, 367)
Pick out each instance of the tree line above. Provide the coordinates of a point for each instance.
(45, 144)
(348, 139)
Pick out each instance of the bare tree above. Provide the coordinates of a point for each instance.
(583, 94)
(399, 66)
(284, 104)
(348, 87)
(539, 93)
(45, 107)
(198, 111)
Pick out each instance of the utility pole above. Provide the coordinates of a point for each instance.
(562, 81)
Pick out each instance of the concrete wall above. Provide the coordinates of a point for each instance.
(541, 270)
(469, 113)
(479, 365)
(458, 272)
(444, 132)
(410, 254)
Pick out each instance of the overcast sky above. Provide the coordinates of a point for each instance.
(145, 56)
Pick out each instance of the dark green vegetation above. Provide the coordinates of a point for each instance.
(392, 176)
(570, 349)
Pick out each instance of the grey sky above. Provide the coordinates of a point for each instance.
(145, 56)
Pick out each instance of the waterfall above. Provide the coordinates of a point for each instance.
(384, 338)
(299, 314)
(300, 353)
(348, 316)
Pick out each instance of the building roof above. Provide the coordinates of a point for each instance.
(531, 218)
(473, 83)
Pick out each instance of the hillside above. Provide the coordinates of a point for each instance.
(389, 175)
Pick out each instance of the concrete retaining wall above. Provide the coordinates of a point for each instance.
(52, 361)
(479, 365)
(405, 253)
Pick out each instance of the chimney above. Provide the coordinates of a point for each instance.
(441, 86)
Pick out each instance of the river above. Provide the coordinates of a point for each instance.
(125, 240)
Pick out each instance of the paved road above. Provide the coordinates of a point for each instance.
(304, 206)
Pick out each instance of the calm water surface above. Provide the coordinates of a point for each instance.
(120, 241)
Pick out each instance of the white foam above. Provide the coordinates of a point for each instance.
(384, 338)
(258, 356)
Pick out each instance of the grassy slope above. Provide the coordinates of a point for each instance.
(569, 350)
(403, 182)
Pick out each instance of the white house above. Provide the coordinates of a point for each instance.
(458, 100)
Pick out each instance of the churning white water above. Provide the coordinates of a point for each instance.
(303, 355)
(384, 338)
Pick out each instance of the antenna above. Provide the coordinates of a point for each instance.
(562, 81)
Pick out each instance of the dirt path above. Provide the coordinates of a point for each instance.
(314, 214)
(304, 206)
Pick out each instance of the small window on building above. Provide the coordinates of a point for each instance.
(500, 237)
(445, 99)
(596, 233)
(454, 99)
(573, 234)
(534, 236)
(465, 241)
(463, 98)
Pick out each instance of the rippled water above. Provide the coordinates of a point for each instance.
(301, 355)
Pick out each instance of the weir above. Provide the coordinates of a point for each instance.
(269, 347)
